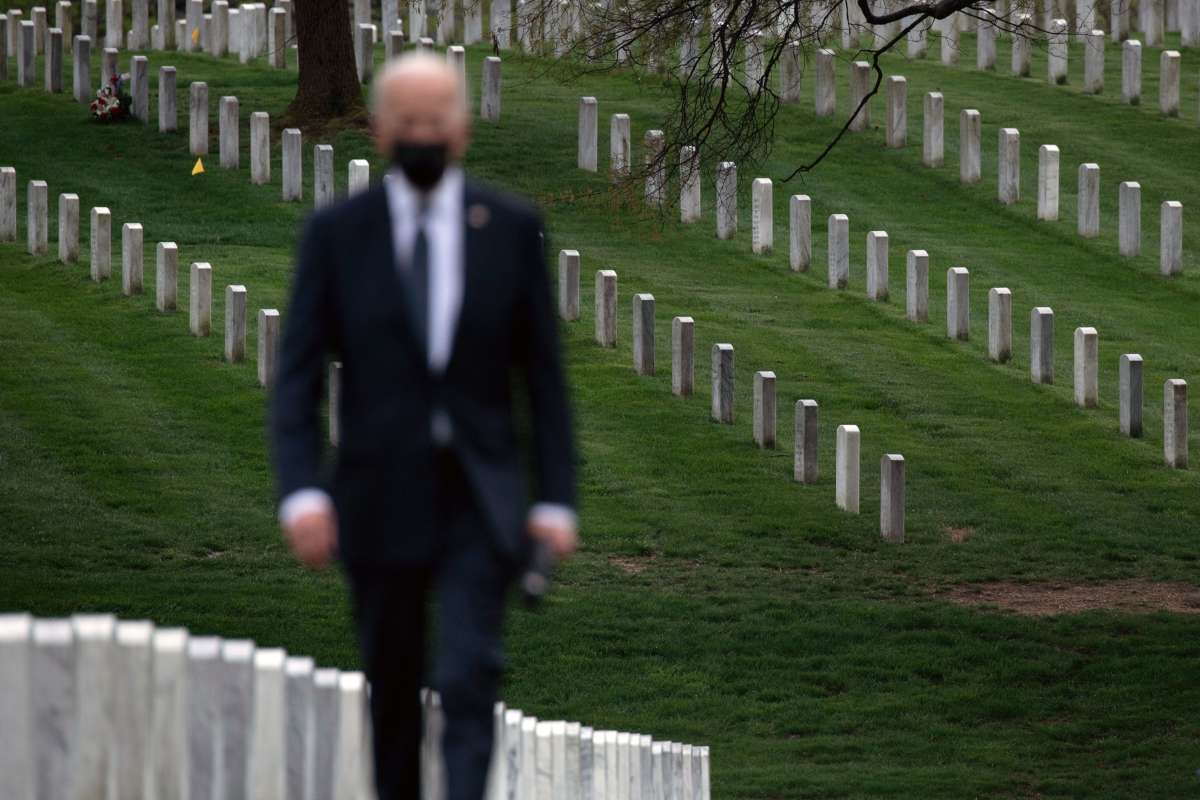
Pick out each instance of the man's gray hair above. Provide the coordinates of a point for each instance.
(416, 64)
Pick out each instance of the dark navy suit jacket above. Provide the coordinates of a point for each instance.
(350, 303)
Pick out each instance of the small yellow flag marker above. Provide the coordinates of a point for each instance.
(195, 36)
(199, 168)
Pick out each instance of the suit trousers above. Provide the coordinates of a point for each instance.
(467, 582)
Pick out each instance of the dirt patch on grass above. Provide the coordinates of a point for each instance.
(958, 535)
(1042, 599)
(632, 565)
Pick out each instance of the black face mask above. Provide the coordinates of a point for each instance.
(423, 164)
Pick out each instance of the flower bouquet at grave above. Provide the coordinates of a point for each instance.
(111, 103)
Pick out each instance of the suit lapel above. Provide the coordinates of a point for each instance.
(380, 257)
(476, 218)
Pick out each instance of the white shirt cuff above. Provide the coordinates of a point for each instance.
(553, 514)
(303, 501)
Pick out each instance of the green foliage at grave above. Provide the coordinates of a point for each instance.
(715, 601)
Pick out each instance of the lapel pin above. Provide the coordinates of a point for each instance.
(478, 215)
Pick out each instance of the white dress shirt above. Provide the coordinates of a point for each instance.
(445, 232)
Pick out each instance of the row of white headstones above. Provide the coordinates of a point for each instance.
(1175, 447)
(90, 702)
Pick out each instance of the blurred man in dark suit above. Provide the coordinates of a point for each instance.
(432, 291)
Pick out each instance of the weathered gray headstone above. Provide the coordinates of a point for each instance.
(1130, 218)
(358, 176)
(268, 345)
(489, 105)
(806, 432)
(1131, 71)
(68, 228)
(1089, 200)
(166, 289)
(200, 299)
(958, 306)
(985, 41)
(235, 323)
(860, 85)
(656, 168)
(237, 714)
(166, 770)
(266, 776)
(726, 200)
(100, 242)
(825, 85)
(64, 21)
(277, 44)
(1168, 82)
(323, 188)
(891, 496)
(228, 125)
(109, 65)
(1087, 352)
(999, 325)
(1048, 182)
(1118, 20)
(682, 356)
(293, 167)
(1009, 184)
(1022, 45)
(1130, 378)
(619, 145)
(932, 145)
(167, 113)
(37, 222)
(762, 216)
(1041, 345)
(846, 475)
(166, 25)
(198, 118)
(877, 265)
(26, 56)
(300, 732)
(114, 24)
(588, 121)
(689, 185)
(969, 132)
(132, 692)
(132, 259)
(218, 29)
(916, 299)
(789, 73)
(897, 111)
(568, 285)
(800, 228)
(16, 706)
(764, 409)
(606, 308)
(53, 62)
(722, 383)
(8, 204)
(838, 243)
(1175, 423)
(643, 334)
(1171, 237)
(949, 44)
(260, 147)
(54, 692)
(1057, 59)
(82, 80)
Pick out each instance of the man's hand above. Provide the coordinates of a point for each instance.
(313, 537)
(560, 535)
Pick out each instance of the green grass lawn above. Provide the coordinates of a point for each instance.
(715, 600)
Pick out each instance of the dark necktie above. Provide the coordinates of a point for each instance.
(418, 277)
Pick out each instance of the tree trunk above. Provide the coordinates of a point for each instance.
(328, 89)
